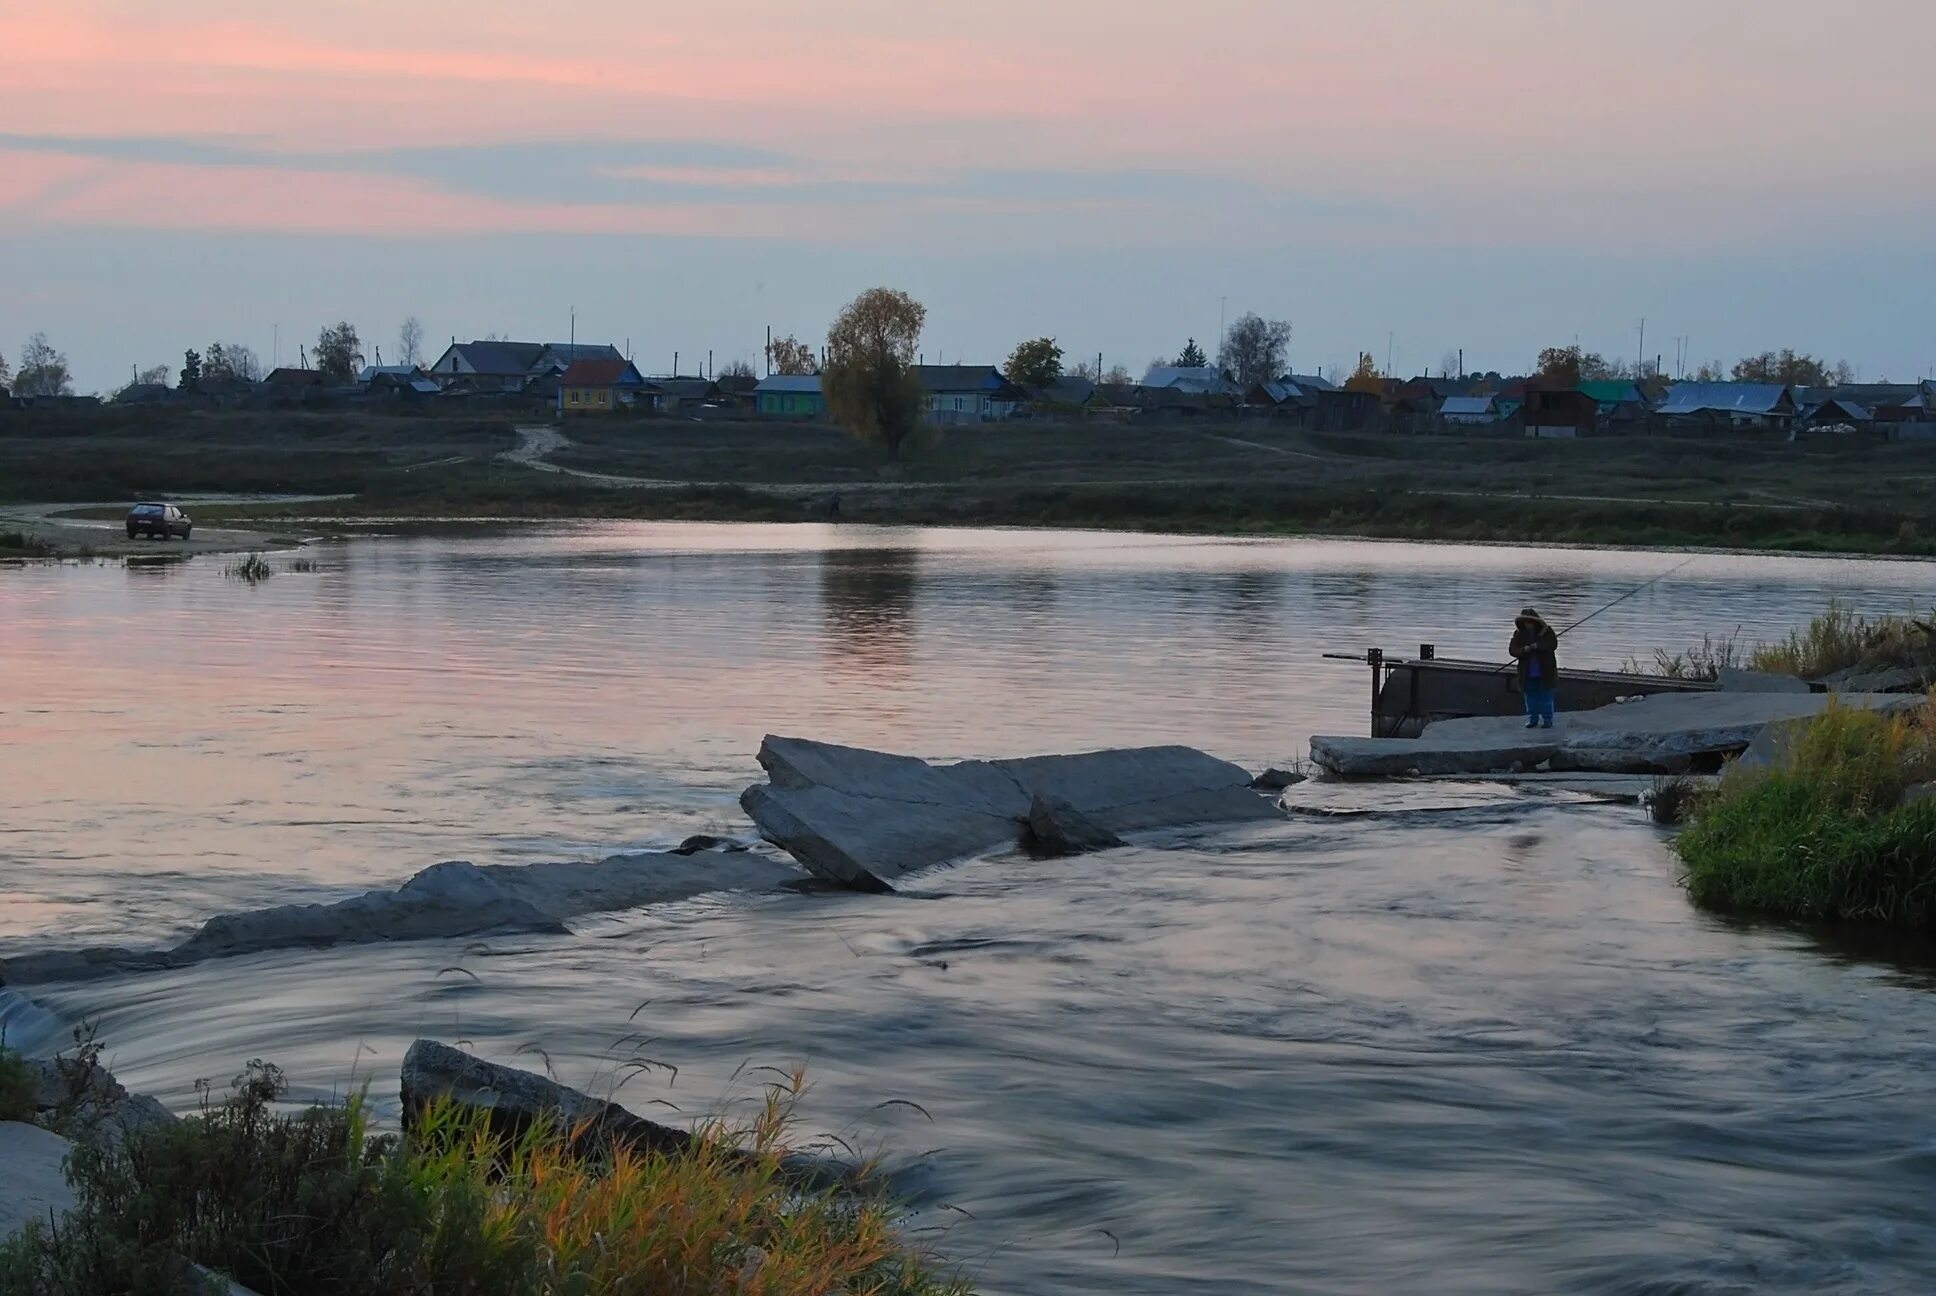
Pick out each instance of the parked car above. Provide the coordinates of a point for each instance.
(158, 521)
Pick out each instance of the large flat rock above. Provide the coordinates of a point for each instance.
(1664, 733)
(859, 817)
(33, 1179)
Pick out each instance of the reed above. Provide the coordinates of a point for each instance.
(1841, 639)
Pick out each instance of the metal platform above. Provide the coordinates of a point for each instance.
(1408, 693)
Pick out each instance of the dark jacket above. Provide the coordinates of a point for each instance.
(1537, 644)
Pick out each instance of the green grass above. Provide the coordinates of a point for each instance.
(311, 1203)
(1825, 833)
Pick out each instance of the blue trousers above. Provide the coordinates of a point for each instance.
(1539, 703)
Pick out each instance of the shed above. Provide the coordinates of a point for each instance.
(795, 396)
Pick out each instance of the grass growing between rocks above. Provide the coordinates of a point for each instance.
(1831, 831)
(1840, 639)
(312, 1203)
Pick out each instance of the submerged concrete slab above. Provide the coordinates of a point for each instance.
(1664, 733)
(859, 817)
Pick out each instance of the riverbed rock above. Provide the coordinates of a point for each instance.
(1277, 780)
(1900, 679)
(515, 1099)
(33, 1180)
(455, 898)
(1057, 830)
(1667, 733)
(859, 817)
(81, 1100)
(1734, 680)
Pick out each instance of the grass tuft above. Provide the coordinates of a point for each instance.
(253, 568)
(20, 544)
(1829, 831)
(311, 1202)
(1841, 639)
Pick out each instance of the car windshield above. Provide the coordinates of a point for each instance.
(147, 510)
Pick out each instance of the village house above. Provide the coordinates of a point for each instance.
(792, 396)
(1730, 404)
(1197, 380)
(487, 366)
(1470, 411)
(968, 393)
(603, 386)
(1559, 411)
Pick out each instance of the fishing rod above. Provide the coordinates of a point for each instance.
(1638, 589)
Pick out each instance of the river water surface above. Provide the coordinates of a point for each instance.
(1465, 1040)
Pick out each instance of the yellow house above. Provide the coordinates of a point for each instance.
(603, 387)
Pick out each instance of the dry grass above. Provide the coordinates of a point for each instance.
(1841, 639)
(310, 1203)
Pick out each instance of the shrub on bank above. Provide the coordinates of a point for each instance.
(1839, 639)
(312, 1204)
(17, 1085)
(1829, 831)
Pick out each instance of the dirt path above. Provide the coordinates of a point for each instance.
(536, 445)
(69, 536)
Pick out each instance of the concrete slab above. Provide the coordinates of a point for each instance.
(860, 817)
(1658, 734)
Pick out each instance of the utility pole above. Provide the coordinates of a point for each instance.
(1640, 356)
(769, 350)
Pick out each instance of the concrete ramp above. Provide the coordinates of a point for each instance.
(1664, 734)
(860, 817)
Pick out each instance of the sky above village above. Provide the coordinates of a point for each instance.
(1404, 177)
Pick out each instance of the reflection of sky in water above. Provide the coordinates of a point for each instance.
(575, 690)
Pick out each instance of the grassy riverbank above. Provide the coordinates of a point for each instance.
(1840, 495)
(1842, 826)
(311, 1203)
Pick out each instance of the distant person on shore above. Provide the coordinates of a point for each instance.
(1536, 648)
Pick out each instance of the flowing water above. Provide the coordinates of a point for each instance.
(1460, 1040)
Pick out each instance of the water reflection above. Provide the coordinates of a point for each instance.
(867, 608)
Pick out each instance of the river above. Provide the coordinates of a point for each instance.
(1463, 1041)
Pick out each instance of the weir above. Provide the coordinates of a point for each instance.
(1408, 693)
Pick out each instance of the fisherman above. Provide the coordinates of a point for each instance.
(1536, 648)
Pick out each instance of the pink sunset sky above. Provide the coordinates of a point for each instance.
(1418, 175)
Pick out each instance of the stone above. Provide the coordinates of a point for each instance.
(33, 1184)
(1666, 733)
(81, 1100)
(1277, 780)
(860, 817)
(706, 842)
(1902, 679)
(1057, 830)
(1424, 757)
(1735, 680)
(454, 898)
(516, 1099)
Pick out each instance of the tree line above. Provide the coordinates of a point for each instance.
(1571, 366)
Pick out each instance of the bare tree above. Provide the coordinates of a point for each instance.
(6, 373)
(43, 370)
(230, 362)
(410, 342)
(1254, 348)
(1447, 363)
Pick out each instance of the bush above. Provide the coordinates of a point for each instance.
(18, 1086)
(1825, 833)
(311, 1203)
(1839, 639)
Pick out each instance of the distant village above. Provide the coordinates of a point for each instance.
(592, 380)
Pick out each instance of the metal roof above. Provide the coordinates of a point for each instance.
(1199, 379)
(603, 372)
(1725, 398)
(1469, 405)
(797, 384)
(959, 378)
(1311, 384)
(499, 359)
(1613, 391)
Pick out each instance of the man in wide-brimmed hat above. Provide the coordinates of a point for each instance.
(1536, 648)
